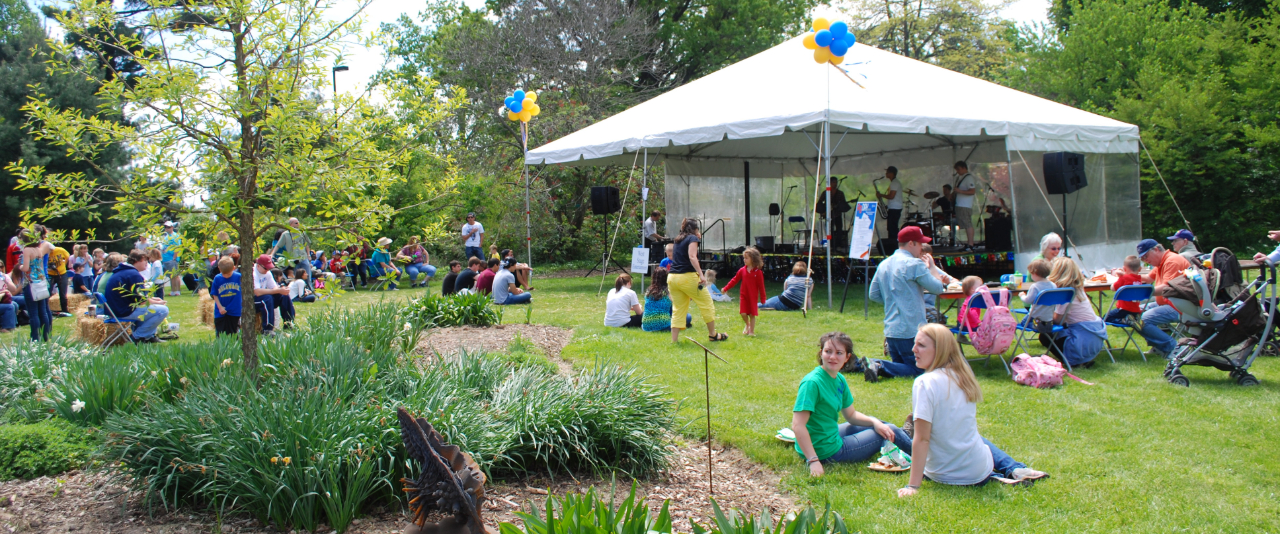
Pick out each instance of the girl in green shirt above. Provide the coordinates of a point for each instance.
(823, 396)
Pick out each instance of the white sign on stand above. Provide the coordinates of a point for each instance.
(864, 231)
(639, 260)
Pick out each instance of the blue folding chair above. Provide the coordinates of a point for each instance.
(962, 336)
(379, 282)
(1133, 293)
(115, 324)
(1051, 297)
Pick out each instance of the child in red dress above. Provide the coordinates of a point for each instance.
(751, 294)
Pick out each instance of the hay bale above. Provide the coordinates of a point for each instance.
(92, 330)
(204, 307)
(77, 303)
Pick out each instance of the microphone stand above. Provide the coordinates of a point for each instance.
(782, 215)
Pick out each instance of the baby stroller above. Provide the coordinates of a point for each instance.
(1223, 322)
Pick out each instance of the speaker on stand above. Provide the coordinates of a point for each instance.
(604, 201)
(1063, 175)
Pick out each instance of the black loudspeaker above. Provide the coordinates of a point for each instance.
(604, 200)
(999, 234)
(774, 210)
(764, 242)
(1064, 172)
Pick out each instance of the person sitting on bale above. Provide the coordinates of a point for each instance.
(822, 398)
(945, 444)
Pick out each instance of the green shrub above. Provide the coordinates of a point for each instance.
(589, 513)
(46, 448)
(524, 353)
(27, 369)
(453, 310)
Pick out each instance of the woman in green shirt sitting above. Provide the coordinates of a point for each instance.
(823, 396)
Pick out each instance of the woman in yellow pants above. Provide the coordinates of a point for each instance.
(686, 282)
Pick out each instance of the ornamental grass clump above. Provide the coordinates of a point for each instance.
(472, 309)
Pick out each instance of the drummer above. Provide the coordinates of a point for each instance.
(893, 203)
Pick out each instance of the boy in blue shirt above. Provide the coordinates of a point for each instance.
(226, 298)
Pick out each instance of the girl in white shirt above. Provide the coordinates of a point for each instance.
(622, 308)
(946, 446)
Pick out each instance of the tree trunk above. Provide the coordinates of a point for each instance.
(248, 314)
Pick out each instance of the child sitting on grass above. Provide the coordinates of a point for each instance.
(226, 298)
(1124, 312)
(657, 305)
(751, 294)
(300, 289)
(716, 294)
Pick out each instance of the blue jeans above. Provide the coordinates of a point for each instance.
(775, 303)
(377, 271)
(1002, 463)
(904, 361)
(358, 269)
(148, 319)
(39, 314)
(265, 305)
(9, 316)
(1151, 321)
(862, 442)
(523, 298)
(472, 252)
(419, 268)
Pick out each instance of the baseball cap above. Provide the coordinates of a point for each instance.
(909, 234)
(265, 262)
(168, 224)
(1145, 246)
(1182, 234)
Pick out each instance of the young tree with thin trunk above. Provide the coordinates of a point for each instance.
(225, 106)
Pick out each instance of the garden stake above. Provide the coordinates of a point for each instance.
(706, 376)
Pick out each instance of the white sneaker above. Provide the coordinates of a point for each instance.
(1027, 475)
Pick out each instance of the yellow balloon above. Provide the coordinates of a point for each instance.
(528, 102)
(809, 42)
(822, 54)
(525, 116)
(836, 60)
(532, 97)
(821, 24)
(513, 116)
(534, 110)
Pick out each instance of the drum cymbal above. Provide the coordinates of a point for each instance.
(909, 193)
(932, 195)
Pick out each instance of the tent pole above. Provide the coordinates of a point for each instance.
(746, 193)
(826, 140)
(644, 204)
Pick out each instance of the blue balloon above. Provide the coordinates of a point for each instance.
(850, 40)
(838, 48)
(823, 38)
(838, 30)
(519, 96)
(516, 106)
(508, 102)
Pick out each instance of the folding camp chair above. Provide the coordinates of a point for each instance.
(1133, 293)
(116, 329)
(378, 282)
(1051, 297)
(978, 303)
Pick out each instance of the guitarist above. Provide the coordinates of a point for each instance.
(893, 203)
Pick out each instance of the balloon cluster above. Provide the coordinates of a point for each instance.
(522, 106)
(830, 41)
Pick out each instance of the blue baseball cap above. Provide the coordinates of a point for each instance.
(1145, 246)
(1182, 234)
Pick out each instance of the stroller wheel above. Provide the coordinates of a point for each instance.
(1271, 348)
(1246, 380)
(1179, 380)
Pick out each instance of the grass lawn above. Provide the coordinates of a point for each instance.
(1131, 453)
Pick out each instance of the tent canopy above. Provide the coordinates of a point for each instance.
(770, 107)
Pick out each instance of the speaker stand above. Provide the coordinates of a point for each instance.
(603, 268)
(1065, 254)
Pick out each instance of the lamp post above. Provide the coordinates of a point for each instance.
(336, 70)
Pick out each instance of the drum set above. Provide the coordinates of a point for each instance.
(932, 224)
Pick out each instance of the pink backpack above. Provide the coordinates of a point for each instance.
(998, 328)
(1039, 371)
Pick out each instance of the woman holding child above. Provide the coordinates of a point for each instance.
(945, 444)
(822, 398)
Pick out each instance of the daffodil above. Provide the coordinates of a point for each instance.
(287, 460)
(275, 459)
(77, 405)
(408, 327)
(226, 362)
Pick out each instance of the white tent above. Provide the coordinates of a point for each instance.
(770, 111)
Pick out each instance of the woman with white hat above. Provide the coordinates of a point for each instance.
(382, 265)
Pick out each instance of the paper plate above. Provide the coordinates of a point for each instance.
(877, 467)
(786, 435)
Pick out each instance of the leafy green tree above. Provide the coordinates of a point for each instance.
(962, 35)
(229, 115)
(1202, 90)
(23, 74)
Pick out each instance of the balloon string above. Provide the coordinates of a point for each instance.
(846, 75)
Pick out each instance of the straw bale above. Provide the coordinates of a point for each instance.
(204, 307)
(92, 330)
(78, 303)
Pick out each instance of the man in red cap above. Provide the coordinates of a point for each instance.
(900, 282)
(268, 295)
